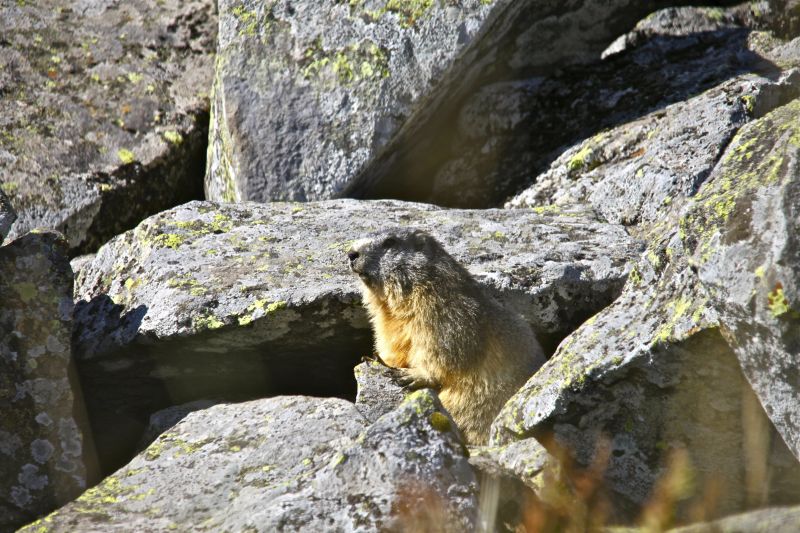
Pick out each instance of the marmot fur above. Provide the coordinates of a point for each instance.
(433, 321)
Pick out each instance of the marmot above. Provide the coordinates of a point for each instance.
(434, 322)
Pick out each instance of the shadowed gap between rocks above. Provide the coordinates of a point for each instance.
(407, 167)
(125, 386)
(184, 165)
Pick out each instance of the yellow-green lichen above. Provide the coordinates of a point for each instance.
(350, 64)
(173, 137)
(126, 156)
(168, 240)
(777, 302)
(207, 322)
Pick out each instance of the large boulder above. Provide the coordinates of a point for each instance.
(242, 300)
(314, 101)
(289, 464)
(773, 520)
(705, 333)
(41, 463)
(105, 113)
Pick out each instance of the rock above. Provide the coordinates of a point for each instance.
(774, 520)
(378, 393)
(106, 119)
(318, 101)
(241, 301)
(663, 376)
(744, 228)
(41, 463)
(163, 420)
(632, 173)
(507, 130)
(7, 216)
(681, 22)
(330, 472)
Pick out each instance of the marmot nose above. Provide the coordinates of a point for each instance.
(352, 256)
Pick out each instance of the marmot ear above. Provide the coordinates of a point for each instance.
(422, 239)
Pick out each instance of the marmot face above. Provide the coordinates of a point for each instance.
(393, 259)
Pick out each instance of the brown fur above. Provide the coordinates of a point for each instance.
(432, 319)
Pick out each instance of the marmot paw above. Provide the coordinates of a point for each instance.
(411, 379)
(373, 358)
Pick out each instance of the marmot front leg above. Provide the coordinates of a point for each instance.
(414, 379)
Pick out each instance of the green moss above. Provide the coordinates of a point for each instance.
(247, 19)
(27, 291)
(126, 156)
(635, 276)
(439, 421)
(9, 187)
(134, 77)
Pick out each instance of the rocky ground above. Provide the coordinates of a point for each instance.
(180, 337)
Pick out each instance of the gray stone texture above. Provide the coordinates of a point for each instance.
(41, 463)
(289, 464)
(104, 111)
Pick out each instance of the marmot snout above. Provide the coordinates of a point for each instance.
(436, 323)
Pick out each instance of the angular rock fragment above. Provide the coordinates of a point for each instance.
(104, 114)
(289, 463)
(41, 463)
(668, 372)
(239, 301)
(378, 393)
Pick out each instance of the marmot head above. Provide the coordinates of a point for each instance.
(395, 260)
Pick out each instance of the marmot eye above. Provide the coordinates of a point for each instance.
(389, 242)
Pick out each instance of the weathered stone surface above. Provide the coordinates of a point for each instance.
(378, 393)
(40, 443)
(744, 231)
(314, 101)
(7, 216)
(289, 464)
(509, 129)
(683, 21)
(660, 370)
(774, 520)
(104, 114)
(210, 300)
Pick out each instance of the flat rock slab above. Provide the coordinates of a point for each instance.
(104, 117)
(315, 101)
(41, 463)
(289, 464)
(241, 300)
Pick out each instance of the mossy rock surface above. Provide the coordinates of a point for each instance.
(703, 335)
(287, 463)
(41, 444)
(105, 112)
